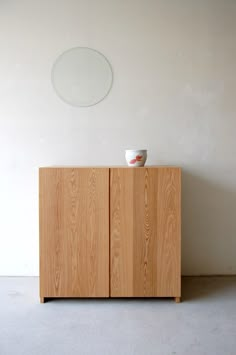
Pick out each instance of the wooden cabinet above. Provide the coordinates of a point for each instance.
(110, 232)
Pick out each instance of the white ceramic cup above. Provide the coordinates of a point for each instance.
(136, 157)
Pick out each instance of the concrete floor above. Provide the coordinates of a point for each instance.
(204, 323)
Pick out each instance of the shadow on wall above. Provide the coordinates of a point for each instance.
(196, 288)
(208, 227)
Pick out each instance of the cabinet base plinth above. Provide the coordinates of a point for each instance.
(177, 299)
(42, 299)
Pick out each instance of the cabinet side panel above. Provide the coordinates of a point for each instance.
(121, 232)
(74, 232)
(168, 233)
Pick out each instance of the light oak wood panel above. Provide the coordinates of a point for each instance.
(169, 232)
(145, 232)
(121, 248)
(74, 232)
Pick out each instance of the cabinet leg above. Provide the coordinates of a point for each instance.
(177, 299)
(42, 299)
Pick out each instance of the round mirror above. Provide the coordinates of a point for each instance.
(82, 76)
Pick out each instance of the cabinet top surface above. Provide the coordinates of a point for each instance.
(110, 167)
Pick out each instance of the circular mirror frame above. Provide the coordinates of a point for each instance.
(91, 50)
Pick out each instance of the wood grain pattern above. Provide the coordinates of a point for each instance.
(145, 232)
(121, 247)
(74, 232)
(169, 232)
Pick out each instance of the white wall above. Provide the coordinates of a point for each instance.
(174, 93)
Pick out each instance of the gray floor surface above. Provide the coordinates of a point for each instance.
(204, 323)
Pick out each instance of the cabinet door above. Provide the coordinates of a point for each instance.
(145, 232)
(74, 232)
